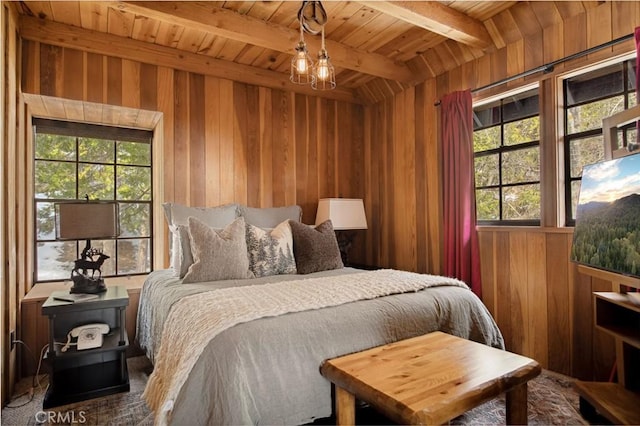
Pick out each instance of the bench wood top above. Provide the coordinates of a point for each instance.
(430, 379)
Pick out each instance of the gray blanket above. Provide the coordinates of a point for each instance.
(266, 371)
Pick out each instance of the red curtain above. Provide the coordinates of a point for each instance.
(637, 35)
(461, 253)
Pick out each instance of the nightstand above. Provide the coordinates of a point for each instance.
(362, 266)
(34, 327)
(76, 375)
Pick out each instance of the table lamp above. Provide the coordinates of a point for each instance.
(347, 215)
(86, 221)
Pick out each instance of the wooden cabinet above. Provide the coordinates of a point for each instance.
(617, 314)
(34, 327)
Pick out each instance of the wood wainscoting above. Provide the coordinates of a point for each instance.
(540, 301)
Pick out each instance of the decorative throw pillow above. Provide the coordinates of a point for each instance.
(315, 249)
(178, 215)
(270, 251)
(270, 217)
(217, 255)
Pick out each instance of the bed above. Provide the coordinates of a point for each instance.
(263, 367)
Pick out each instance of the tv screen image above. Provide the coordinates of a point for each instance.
(607, 230)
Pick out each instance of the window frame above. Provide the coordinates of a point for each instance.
(500, 150)
(567, 137)
(115, 134)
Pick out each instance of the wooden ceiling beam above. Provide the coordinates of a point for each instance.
(437, 18)
(229, 24)
(68, 36)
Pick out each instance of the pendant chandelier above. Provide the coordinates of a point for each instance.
(321, 75)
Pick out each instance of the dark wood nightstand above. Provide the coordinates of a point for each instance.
(76, 375)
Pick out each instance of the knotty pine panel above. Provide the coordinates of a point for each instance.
(197, 164)
(502, 282)
(558, 301)
(537, 326)
(520, 304)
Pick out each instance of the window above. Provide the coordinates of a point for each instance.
(106, 163)
(506, 144)
(589, 98)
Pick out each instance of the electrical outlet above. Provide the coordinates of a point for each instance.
(12, 337)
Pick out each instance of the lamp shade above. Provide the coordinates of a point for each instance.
(87, 220)
(345, 213)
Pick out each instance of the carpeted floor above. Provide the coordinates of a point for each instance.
(551, 401)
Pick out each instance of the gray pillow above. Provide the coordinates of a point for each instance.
(270, 217)
(215, 217)
(270, 250)
(217, 255)
(315, 249)
(178, 214)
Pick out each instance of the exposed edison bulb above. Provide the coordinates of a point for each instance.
(323, 73)
(323, 70)
(302, 63)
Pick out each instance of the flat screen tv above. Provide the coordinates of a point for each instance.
(607, 230)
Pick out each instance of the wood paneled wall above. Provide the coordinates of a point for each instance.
(540, 301)
(402, 181)
(223, 141)
(542, 304)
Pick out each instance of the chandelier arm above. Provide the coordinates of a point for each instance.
(301, 29)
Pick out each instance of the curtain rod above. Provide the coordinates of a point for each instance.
(547, 68)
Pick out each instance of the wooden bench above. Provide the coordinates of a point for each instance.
(430, 379)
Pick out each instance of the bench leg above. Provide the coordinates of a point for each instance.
(517, 405)
(345, 407)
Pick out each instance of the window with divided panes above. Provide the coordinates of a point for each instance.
(506, 144)
(72, 160)
(589, 98)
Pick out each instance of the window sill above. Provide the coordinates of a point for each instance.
(511, 228)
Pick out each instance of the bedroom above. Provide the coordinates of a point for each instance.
(297, 147)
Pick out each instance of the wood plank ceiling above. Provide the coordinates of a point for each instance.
(371, 43)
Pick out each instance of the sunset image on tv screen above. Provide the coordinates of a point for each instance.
(607, 231)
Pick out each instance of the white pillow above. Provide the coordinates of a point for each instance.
(271, 250)
(217, 254)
